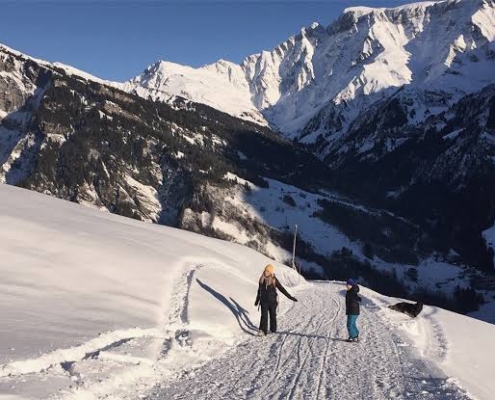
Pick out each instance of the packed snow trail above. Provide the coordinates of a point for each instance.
(309, 359)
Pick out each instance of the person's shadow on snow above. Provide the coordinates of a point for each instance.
(241, 314)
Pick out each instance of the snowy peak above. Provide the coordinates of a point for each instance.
(221, 85)
(370, 53)
(419, 6)
(414, 11)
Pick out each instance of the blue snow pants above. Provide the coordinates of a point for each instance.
(351, 326)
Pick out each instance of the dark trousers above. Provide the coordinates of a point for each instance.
(265, 310)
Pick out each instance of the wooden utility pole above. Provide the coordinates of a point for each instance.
(294, 250)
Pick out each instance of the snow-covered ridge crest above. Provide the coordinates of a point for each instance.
(7, 49)
(60, 66)
(221, 85)
(364, 56)
(361, 10)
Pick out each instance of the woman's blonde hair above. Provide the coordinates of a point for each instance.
(270, 279)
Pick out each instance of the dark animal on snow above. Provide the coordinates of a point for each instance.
(412, 310)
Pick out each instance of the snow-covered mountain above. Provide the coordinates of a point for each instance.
(399, 103)
(97, 306)
(83, 140)
(320, 80)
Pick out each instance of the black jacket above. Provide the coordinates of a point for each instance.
(352, 301)
(267, 294)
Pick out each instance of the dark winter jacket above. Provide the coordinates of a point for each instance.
(267, 292)
(352, 301)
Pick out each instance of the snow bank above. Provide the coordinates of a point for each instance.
(461, 346)
(470, 354)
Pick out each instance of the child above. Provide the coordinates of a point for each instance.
(352, 301)
(267, 297)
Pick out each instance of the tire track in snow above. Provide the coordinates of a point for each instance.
(315, 372)
(277, 363)
(282, 339)
(323, 373)
(311, 344)
(280, 372)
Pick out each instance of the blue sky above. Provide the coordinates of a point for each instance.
(117, 40)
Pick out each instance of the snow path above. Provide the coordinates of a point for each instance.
(308, 359)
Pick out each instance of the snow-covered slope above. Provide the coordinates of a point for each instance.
(438, 51)
(98, 306)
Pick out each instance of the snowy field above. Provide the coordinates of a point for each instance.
(97, 306)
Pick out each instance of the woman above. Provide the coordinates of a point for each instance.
(352, 301)
(267, 297)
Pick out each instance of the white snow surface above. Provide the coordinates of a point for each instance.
(268, 206)
(75, 281)
(97, 306)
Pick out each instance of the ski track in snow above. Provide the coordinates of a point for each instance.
(89, 350)
(309, 359)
